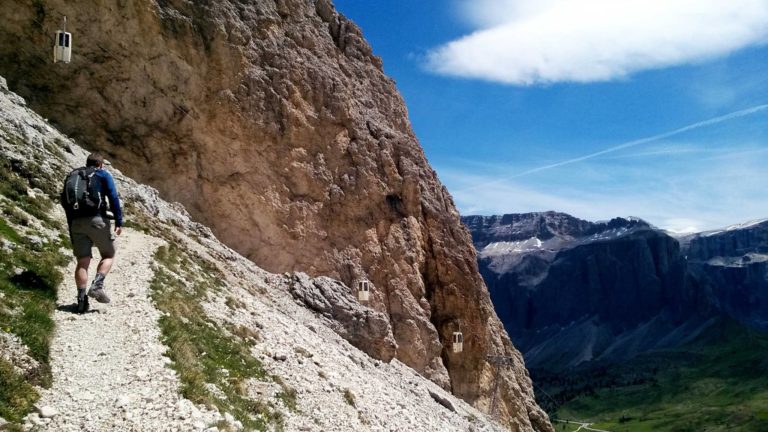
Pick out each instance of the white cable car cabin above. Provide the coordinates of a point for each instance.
(363, 291)
(458, 342)
(62, 48)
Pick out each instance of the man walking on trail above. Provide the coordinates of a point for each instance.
(88, 194)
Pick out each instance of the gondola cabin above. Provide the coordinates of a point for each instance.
(363, 291)
(458, 342)
(62, 48)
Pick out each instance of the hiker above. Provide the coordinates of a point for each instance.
(83, 199)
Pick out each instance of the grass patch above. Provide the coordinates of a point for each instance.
(11, 185)
(28, 281)
(15, 216)
(234, 303)
(246, 334)
(29, 276)
(717, 383)
(15, 181)
(287, 395)
(39, 207)
(17, 396)
(8, 232)
(203, 353)
(349, 397)
(135, 219)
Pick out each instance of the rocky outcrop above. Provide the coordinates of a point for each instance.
(570, 291)
(361, 326)
(17, 355)
(272, 122)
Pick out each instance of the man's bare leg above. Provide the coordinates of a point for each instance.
(81, 272)
(105, 265)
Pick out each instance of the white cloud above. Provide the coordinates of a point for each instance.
(544, 41)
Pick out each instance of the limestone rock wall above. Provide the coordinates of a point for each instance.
(273, 123)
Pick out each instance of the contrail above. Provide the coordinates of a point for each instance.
(637, 142)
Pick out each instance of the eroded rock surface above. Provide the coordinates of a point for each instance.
(273, 123)
(361, 326)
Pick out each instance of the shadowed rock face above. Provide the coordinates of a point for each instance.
(569, 291)
(731, 266)
(273, 123)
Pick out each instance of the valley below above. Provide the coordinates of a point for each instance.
(718, 382)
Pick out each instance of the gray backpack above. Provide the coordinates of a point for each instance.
(81, 196)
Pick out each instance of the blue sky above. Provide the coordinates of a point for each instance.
(502, 92)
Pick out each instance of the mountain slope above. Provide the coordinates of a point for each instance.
(273, 123)
(628, 328)
(236, 338)
(570, 291)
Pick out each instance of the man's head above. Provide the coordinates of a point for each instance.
(95, 160)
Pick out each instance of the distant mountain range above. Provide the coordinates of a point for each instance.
(570, 291)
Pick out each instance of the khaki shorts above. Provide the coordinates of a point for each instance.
(90, 231)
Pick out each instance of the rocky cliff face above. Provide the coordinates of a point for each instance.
(731, 266)
(274, 124)
(570, 291)
(210, 326)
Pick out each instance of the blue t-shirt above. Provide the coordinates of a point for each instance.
(109, 190)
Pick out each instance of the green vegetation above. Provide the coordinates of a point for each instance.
(16, 179)
(717, 383)
(29, 276)
(8, 232)
(16, 394)
(28, 280)
(213, 366)
(565, 427)
(287, 395)
(349, 397)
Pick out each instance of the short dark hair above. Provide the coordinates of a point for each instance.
(94, 160)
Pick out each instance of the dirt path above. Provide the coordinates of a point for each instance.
(109, 372)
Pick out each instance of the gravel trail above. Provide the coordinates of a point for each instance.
(109, 372)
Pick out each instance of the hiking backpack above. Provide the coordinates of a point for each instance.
(81, 196)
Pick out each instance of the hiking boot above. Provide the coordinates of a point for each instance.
(82, 301)
(97, 289)
(99, 295)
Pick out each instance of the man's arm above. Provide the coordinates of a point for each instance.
(114, 200)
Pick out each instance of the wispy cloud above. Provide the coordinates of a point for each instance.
(634, 143)
(543, 41)
(680, 195)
